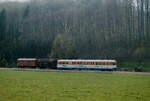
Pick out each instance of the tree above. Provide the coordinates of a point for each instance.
(2, 24)
(26, 11)
(63, 47)
(3, 63)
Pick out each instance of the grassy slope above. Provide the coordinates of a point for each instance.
(51, 86)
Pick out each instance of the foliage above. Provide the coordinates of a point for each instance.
(63, 47)
(57, 86)
(134, 66)
(3, 63)
(89, 29)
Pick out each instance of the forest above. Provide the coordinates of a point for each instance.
(75, 29)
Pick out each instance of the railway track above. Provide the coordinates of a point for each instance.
(89, 71)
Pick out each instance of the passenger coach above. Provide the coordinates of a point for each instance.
(87, 64)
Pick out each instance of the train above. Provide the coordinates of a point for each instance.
(79, 64)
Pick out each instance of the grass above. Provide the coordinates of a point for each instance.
(60, 86)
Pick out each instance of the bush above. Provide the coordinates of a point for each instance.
(3, 63)
(138, 69)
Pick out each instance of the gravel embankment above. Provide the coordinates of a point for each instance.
(90, 71)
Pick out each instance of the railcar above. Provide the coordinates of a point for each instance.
(87, 64)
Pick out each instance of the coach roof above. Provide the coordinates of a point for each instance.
(27, 59)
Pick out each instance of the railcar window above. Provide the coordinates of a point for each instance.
(85, 63)
(114, 63)
(102, 63)
(98, 63)
(73, 63)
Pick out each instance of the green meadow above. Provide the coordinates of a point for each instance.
(65, 86)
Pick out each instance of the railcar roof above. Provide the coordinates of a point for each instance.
(91, 60)
(26, 59)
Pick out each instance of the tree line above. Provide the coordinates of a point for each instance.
(75, 29)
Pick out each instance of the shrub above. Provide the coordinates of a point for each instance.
(3, 63)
